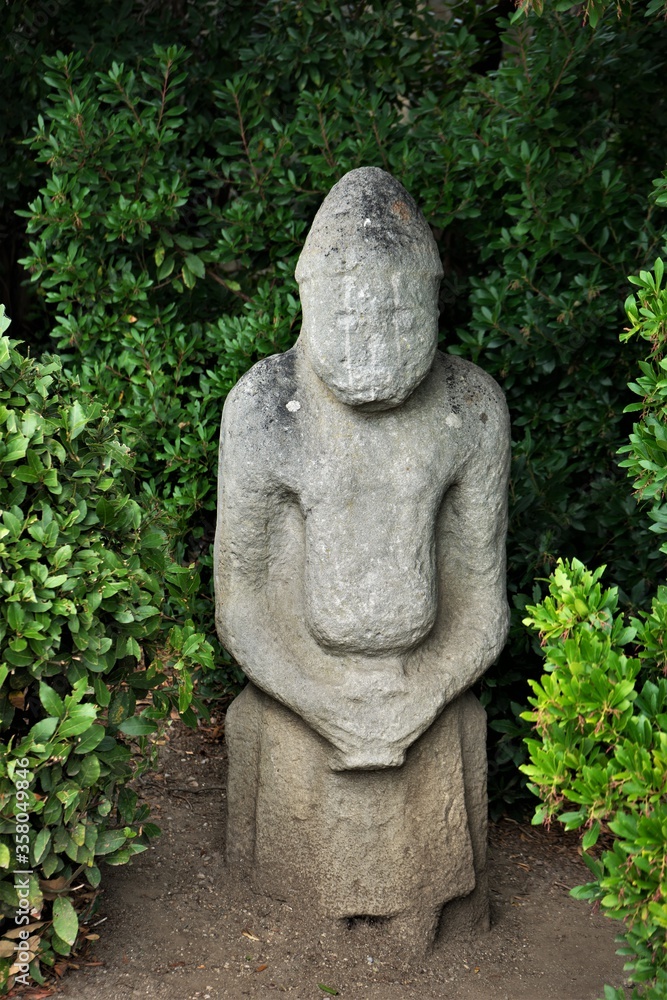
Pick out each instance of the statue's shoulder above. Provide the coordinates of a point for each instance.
(469, 388)
(263, 389)
(256, 415)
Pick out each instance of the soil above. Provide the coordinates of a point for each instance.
(178, 925)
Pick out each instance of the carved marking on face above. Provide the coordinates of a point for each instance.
(371, 334)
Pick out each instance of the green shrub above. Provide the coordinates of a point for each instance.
(600, 759)
(83, 643)
(646, 450)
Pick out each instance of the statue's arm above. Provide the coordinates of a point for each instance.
(248, 508)
(473, 616)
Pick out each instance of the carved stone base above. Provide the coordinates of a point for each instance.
(406, 845)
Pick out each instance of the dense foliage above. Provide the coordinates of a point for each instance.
(83, 646)
(600, 757)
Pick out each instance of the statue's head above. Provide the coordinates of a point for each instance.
(368, 278)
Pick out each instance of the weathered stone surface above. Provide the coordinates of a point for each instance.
(368, 279)
(397, 844)
(360, 572)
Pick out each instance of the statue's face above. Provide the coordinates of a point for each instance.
(371, 336)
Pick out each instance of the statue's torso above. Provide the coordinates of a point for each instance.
(366, 492)
(370, 582)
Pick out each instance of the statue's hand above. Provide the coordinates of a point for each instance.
(367, 758)
(378, 715)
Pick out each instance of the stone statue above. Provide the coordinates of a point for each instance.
(360, 583)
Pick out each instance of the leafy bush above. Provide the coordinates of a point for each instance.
(600, 761)
(601, 717)
(647, 447)
(83, 643)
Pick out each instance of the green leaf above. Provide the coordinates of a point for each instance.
(76, 421)
(106, 512)
(61, 556)
(42, 844)
(59, 946)
(8, 894)
(52, 812)
(50, 864)
(94, 876)
(166, 268)
(195, 264)
(120, 857)
(188, 277)
(109, 840)
(43, 731)
(102, 692)
(90, 739)
(79, 719)
(90, 771)
(65, 920)
(136, 725)
(51, 701)
(590, 838)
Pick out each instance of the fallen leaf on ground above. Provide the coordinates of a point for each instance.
(250, 936)
(53, 884)
(16, 932)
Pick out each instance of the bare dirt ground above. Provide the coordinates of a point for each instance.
(177, 925)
